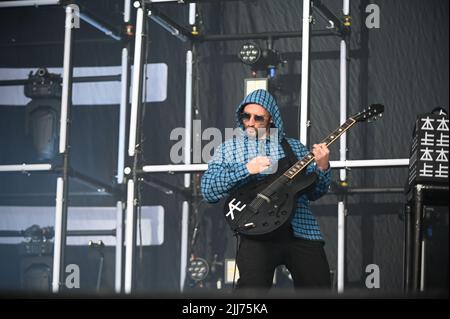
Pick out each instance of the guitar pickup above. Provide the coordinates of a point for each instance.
(267, 199)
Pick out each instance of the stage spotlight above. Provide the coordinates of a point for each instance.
(249, 53)
(35, 254)
(42, 113)
(36, 233)
(43, 84)
(260, 59)
(198, 269)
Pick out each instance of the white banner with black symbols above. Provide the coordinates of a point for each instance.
(430, 150)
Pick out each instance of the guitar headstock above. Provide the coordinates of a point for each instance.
(371, 113)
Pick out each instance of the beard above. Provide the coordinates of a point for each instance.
(253, 132)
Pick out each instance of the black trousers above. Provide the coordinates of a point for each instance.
(305, 260)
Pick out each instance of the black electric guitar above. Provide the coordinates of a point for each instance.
(259, 208)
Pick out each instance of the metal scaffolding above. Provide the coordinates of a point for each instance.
(72, 17)
(343, 164)
(130, 175)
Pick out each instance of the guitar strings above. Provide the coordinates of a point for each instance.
(344, 128)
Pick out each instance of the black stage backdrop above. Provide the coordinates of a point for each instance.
(403, 65)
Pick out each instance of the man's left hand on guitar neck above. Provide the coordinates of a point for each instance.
(322, 156)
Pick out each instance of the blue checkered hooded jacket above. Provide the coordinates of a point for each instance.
(227, 168)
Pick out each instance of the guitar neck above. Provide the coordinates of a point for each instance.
(306, 160)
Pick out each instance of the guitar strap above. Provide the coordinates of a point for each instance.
(288, 152)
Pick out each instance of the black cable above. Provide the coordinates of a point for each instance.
(235, 260)
(141, 144)
(191, 253)
(139, 218)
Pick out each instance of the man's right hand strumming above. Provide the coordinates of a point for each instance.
(258, 164)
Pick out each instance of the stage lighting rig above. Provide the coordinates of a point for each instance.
(43, 84)
(249, 53)
(37, 241)
(36, 233)
(198, 269)
(42, 112)
(260, 59)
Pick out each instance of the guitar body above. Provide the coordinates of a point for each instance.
(259, 215)
(260, 208)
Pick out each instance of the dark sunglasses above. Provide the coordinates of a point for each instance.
(258, 118)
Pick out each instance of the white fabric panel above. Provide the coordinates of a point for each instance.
(17, 218)
(89, 93)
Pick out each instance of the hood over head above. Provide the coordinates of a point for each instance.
(267, 101)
